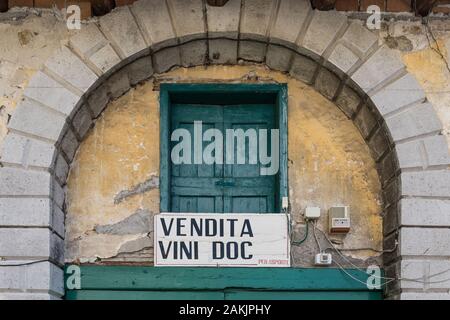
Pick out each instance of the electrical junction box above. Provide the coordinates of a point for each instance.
(312, 213)
(323, 259)
(339, 219)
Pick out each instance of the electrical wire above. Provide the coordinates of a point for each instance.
(22, 264)
(418, 280)
(315, 237)
(298, 243)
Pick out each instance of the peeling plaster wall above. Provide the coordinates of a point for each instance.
(112, 187)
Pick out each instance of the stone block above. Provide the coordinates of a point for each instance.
(90, 44)
(365, 121)
(98, 100)
(40, 280)
(255, 19)
(30, 212)
(32, 244)
(348, 101)
(379, 142)
(379, 68)
(414, 121)
(400, 93)
(140, 70)
(424, 241)
(327, 83)
(166, 59)
(435, 183)
(423, 153)
(21, 182)
(303, 68)
(387, 168)
(69, 144)
(224, 21)
(58, 194)
(223, 51)
(47, 91)
(291, 18)
(67, 66)
(26, 152)
(189, 23)
(30, 117)
(360, 39)
(322, 31)
(279, 58)
(416, 212)
(82, 121)
(252, 50)
(341, 60)
(61, 169)
(194, 53)
(154, 19)
(118, 84)
(121, 29)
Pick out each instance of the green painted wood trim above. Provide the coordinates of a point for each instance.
(164, 157)
(221, 94)
(131, 278)
(222, 295)
(282, 104)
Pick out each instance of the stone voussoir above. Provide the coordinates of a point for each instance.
(51, 93)
(154, 20)
(95, 49)
(71, 69)
(402, 92)
(189, 24)
(414, 121)
(32, 118)
(122, 30)
(224, 21)
(322, 31)
(291, 19)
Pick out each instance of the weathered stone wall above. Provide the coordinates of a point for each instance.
(420, 176)
(112, 195)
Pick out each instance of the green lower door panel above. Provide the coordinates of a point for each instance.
(143, 295)
(179, 283)
(302, 295)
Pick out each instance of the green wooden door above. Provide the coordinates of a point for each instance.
(233, 185)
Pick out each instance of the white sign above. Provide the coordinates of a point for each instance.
(222, 240)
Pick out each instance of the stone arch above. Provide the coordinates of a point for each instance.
(340, 58)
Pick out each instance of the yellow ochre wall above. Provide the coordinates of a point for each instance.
(112, 187)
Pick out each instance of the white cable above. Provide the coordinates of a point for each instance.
(387, 278)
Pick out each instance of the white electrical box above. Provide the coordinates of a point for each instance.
(312, 213)
(339, 219)
(323, 259)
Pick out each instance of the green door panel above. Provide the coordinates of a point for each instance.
(218, 188)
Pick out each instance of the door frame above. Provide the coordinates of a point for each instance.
(214, 93)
